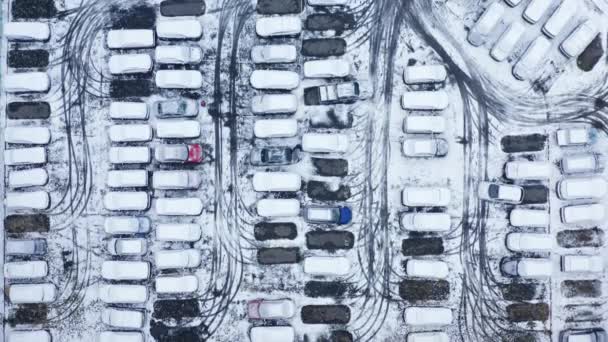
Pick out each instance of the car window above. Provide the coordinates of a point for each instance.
(493, 191)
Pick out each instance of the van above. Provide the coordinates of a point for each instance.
(131, 39)
(24, 156)
(123, 294)
(176, 284)
(272, 333)
(529, 242)
(560, 18)
(577, 188)
(127, 178)
(29, 336)
(27, 178)
(579, 39)
(27, 82)
(129, 110)
(126, 200)
(529, 218)
(528, 170)
(129, 155)
(324, 142)
(130, 64)
(27, 31)
(34, 200)
(433, 336)
(424, 124)
(507, 42)
(276, 181)
(326, 265)
(426, 222)
(185, 232)
(126, 225)
(484, 26)
(421, 74)
(275, 128)
(532, 61)
(32, 293)
(30, 135)
(435, 269)
(423, 316)
(278, 207)
(425, 100)
(25, 269)
(536, 9)
(526, 267)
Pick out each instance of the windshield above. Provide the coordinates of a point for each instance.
(493, 191)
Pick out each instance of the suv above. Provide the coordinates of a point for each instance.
(347, 92)
(274, 155)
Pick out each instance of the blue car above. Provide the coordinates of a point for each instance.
(329, 215)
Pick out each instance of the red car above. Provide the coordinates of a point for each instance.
(179, 153)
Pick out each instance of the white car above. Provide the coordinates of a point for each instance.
(278, 26)
(528, 170)
(127, 178)
(276, 181)
(277, 53)
(425, 147)
(24, 156)
(179, 29)
(434, 269)
(122, 336)
(125, 270)
(274, 79)
(175, 180)
(188, 206)
(136, 246)
(278, 207)
(131, 39)
(582, 188)
(272, 333)
(129, 155)
(126, 200)
(529, 218)
(29, 336)
(581, 163)
(27, 177)
(34, 200)
(560, 18)
(326, 265)
(178, 129)
(324, 142)
(534, 268)
(184, 258)
(275, 128)
(271, 308)
(499, 192)
(482, 29)
(573, 136)
(424, 124)
(25, 269)
(582, 263)
(32, 293)
(28, 247)
(130, 133)
(176, 284)
(416, 196)
(116, 225)
(186, 232)
(178, 54)
(579, 39)
(27, 31)
(30, 135)
(530, 242)
(533, 59)
(507, 42)
(122, 318)
(327, 68)
(274, 104)
(423, 316)
(583, 214)
(179, 79)
(422, 74)
(425, 100)
(130, 64)
(123, 294)
(27, 82)
(129, 110)
(426, 222)
(433, 336)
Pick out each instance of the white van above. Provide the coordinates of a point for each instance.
(324, 142)
(278, 207)
(131, 39)
(528, 170)
(275, 128)
(29, 336)
(130, 133)
(579, 39)
(532, 61)
(27, 31)
(188, 206)
(326, 265)
(178, 129)
(421, 74)
(130, 64)
(486, 23)
(125, 270)
(560, 18)
(530, 242)
(272, 333)
(129, 155)
(426, 222)
(25, 269)
(28, 177)
(127, 178)
(176, 284)
(529, 218)
(424, 124)
(507, 42)
(276, 181)
(24, 156)
(121, 318)
(179, 29)
(27, 82)
(185, 232)
(122, 336)
(123, 294)
(327, 68)
(32, 293)
(126, 200)
(129, 110)
(422, 316)
(274, 104)
(536, 10)
(34, 200)
(425, 100)
(435, 269)
(274, 79)
(126, 225)
(182, 258)
(27, 135)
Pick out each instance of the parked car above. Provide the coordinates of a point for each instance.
(182, 258)
(27, 178)
(179, 29)
(29, 336)
(179, 153)
(128, 110)
(178, 129)
(526, 267)
(573, 136)
(424, 316)
(130, 133)
(500, 192)
(330, 215)
(528, 170)
(176, 284)
(32, 293)
(276, 181)
(129, 155)
(435, 269)
(529, 64)
(187, 232)
(271, 308)
(176, 108)
(529, 218)
(131, 39)
(278, 207)
(274, 156)
(170, 180)
(126, 225)
(274, 79)
(27, 135)
(426, 222)
(324, 142)
(130, 64)
(277, 53)
(582, 263)
(425, 147)
(27, 82)
(126, 200)
(582, 188)
(178, 54)
(278, 26)
(583, 213)
(123, 294)
(125, 270)
(581, 163)
(417, 196)
(560, 19)
(579, 39)
(425, 100)
(424, 124)
(122, 318)
(507, 42)
(33, 200)
(127, 247)
(122, 336)
(274, 104)
(25, 156)
(327, 68)
(272, 333)
(27, 31)
(482, 29)
(530, 242)
(25, 269)
(179, 79)
(275, 128)
(29, 247)
(535, 10)
(127, 178)
(326, 265)
(346, 92)
(188, 206)
(422, 74)
(590, 335)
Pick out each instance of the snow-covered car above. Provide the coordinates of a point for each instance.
(178, 129)
(130, 133)
(528, 170)
(328, 2)
(433, 336)
(182, 258)
(176, 284)
(271, 308)
(125, 270)
(425, 100)
(128, 110)
(583, 213)
(582, 263)
(425, 147)
(179, 79)
(519, 217)
(533, 59)
(278, 26)
(272, 333)
(426, 222)
(277, 53)
(26, 247)
(275, 128)
(324, 142)
(535, 10)
(126, 200)
(421, 74)
(416, 196)
(581, 163)
(27, 177)
(177, 108)
(127, 178)
(582, 188)
(123, 294)
(178, 54)
(179, 153)
(329, 214)
(434, 269)
(346, 92)
(122, 336)
(25, 269)
(136, 246)
(26, 31)
(274, 104)
(424, 315)
(188, 206)
(534, 268)
(28, 336)
(179, 29)
(499, 192)
(579, 39)
(508, 41)
(529, 242)
(131, 39)
(116, 225)
(424, 124)
(130, 64)
(129, 155)
(326, 265)
(123, 318)
(32, 293)
(284, 207)
(482, 29)
(573, 136)
(583, 335)
(29, 135)
(24, 156)
(274, 79)
(174, 180)
(327, 68)
(27, 82)
(274, 156)
(186, 232)
(34, 200)
(276, 181)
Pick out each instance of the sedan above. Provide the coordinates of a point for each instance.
(179, 79)
(336, 215)
(271, 309)
(582, 188)
(189, 206)
(425, 147)
(176, 108)
(499, 192)
(180, 153)
(585, 335)
(169, 180)
(274, 53)
(127, 246)
(274, 155)
(274, 104)
(176, 54)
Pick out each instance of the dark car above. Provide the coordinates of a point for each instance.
(274, 155)
(347, 92)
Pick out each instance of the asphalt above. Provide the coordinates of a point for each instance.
(422, 246)
(325, 314)
(330, 167)
(33, 9)
(323, 47)
(19, 224)
(424, 290)
(280, 6)
(333, 289)
(264, 231)
(134, 17)
(317, 190)
(523, 143)
(525, 312)
(130, 88)
(523, 291)
(178, 8)
(274, 256)
(330, 240)
(581, 288)
(580, 238)
(28, 58)
(28, 110)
